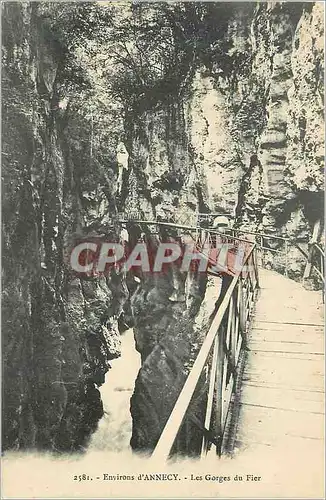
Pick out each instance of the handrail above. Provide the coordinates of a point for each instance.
(226, 336)
(264, 235)
(186, 228)
(320, 268)
(309, 257)
(202, 246)
(177, 416)
(287, 240)
(137, 216)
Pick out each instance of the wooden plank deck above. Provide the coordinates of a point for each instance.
(282, 393)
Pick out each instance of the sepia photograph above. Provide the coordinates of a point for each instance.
(163, 249)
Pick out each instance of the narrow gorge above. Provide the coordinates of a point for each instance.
(164, 109)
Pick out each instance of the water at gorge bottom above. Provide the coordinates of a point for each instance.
(115, 427)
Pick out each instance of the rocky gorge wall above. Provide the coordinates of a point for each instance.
(240, 130)
(231, 143)
(59, 332)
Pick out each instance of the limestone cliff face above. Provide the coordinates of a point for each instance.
(240, 130)
(272, 116)
(305, 125)
(289, 191)
(286, 52)
(248, 131)
(246, 137)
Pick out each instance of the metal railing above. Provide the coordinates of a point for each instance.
(218, 358)
(314, 257)
(224, 253)
(226, 337)
(266, 242)
(315, 262)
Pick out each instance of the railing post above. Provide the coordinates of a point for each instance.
(286, 258)
(219, 389)
(197, 225)
(210, 396)
(178, 414)
(242, 309)
(308, 267)
(322, 264)
(255, 266)
(311, 244)
(322, 270)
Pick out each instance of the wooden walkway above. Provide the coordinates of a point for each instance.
(282, 393)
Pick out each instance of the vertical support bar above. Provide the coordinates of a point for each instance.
(210, 245)
(237, 334)
(262, 250)
(286, 258)
(234, 329)
(246, 302)
(210, 397)
(313, 240)
(308, 267)
(322, 270)
(197, 224)
(229, 323)
(322, 264)
(255, 264)
(219, 389)
(228, 344)
(242, 309)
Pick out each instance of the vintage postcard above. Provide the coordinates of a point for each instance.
(162, 249)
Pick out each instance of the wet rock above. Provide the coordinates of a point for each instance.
(59, 331)
(239, 129)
